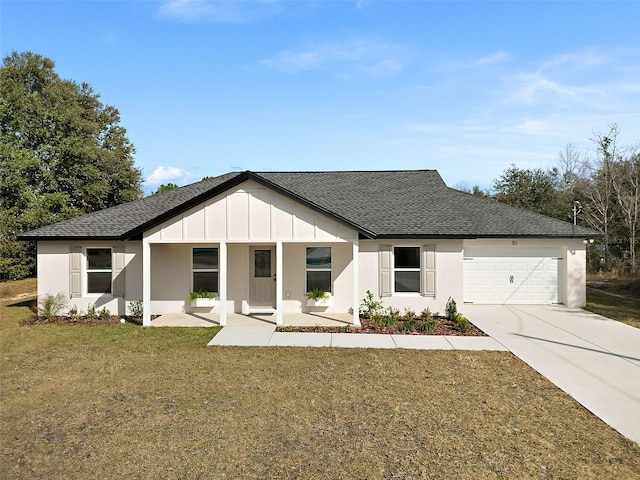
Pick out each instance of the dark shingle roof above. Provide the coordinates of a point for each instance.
(404, 203)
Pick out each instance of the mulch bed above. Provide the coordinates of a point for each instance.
(64, 320)
(443, 326)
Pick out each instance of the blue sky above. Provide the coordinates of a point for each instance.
(467, 88)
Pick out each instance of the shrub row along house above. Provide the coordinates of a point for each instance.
(260, 241)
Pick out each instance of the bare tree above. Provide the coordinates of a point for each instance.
(597, 191)
(626, 185)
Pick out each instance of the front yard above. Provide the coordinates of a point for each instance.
(120, 401)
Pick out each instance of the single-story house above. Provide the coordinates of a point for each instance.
(261, 240)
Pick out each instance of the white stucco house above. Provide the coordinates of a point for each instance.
(261, 240)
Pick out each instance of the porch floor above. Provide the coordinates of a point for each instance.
(254, 319)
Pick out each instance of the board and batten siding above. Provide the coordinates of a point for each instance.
(250, 213)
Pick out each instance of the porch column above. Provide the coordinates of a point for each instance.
(279, 279)
(222, 282)
(356, 283)
(146, 283)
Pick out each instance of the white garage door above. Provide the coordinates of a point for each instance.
(512, 275)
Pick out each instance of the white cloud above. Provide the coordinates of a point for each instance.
(175, 175)
(215, 11)
(495, 59)
(361, 55)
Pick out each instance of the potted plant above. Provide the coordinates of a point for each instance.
(318, 298)
(202, 298)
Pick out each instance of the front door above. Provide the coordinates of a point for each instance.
(262, 285)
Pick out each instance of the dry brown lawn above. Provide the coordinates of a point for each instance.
(120, 401)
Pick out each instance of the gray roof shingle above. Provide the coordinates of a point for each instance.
(379, 204)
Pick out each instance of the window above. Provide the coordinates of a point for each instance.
(99, 270)
(318, 268)
(406, 269)
(205, 269)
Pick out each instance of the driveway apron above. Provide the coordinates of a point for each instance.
(594, 359)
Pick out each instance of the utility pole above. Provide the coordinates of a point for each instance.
(577, 209)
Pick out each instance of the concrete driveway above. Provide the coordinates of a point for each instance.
(594, 359)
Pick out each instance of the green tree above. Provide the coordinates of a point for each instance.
(63, 153)
(537, 190)
(165, 187)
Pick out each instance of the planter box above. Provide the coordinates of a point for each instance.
(321, 302)
(203, 302)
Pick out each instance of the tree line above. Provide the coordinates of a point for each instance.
(597, 188)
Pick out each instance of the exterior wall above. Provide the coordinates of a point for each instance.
(250, 212)
(573, 291)
(449, 271)
(171, 278)
(54, 273)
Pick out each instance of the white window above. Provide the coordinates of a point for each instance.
(99, 270)
(318, 268)
(406, 269)
(205, 270)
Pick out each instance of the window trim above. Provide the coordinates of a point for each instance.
(307, 269)
(418, 269)
(87, 270)
(206, 270)
(428, 271)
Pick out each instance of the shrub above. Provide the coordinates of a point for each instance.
(91, 312)
(135, 308)
(462, 323)
(390, 319)
(426, 314)
(451, 309)
(426, 325)
(104, 314)
(75, 313)
(369, 308)
(50, 306)
(409, 325)
(409, 314)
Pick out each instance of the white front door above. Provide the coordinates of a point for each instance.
(512, 275)
(262, 285)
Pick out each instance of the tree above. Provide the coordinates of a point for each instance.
(63, 153)
(537, 190)
(165, 187)
(626, 185)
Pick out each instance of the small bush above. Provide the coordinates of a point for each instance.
(426, 325)
(136, 308)
(75, 313)
(50, 306)
(104, 314)
(451, 309)
(369, 307)
(426, 314)
(408, 325)
(462, 323)
(91, 312)
(390, 319)
(409, 314)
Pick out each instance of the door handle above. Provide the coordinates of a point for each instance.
(274, 277)
(511, 279)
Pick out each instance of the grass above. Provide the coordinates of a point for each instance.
(616, 298)
(121, 401)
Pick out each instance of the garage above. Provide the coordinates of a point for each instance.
(512, 275)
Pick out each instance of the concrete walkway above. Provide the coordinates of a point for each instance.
(594, 359)
(266, 336)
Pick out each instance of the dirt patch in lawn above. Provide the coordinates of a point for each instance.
(442, 326)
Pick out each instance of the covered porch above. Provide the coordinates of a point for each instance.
(309, 319)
